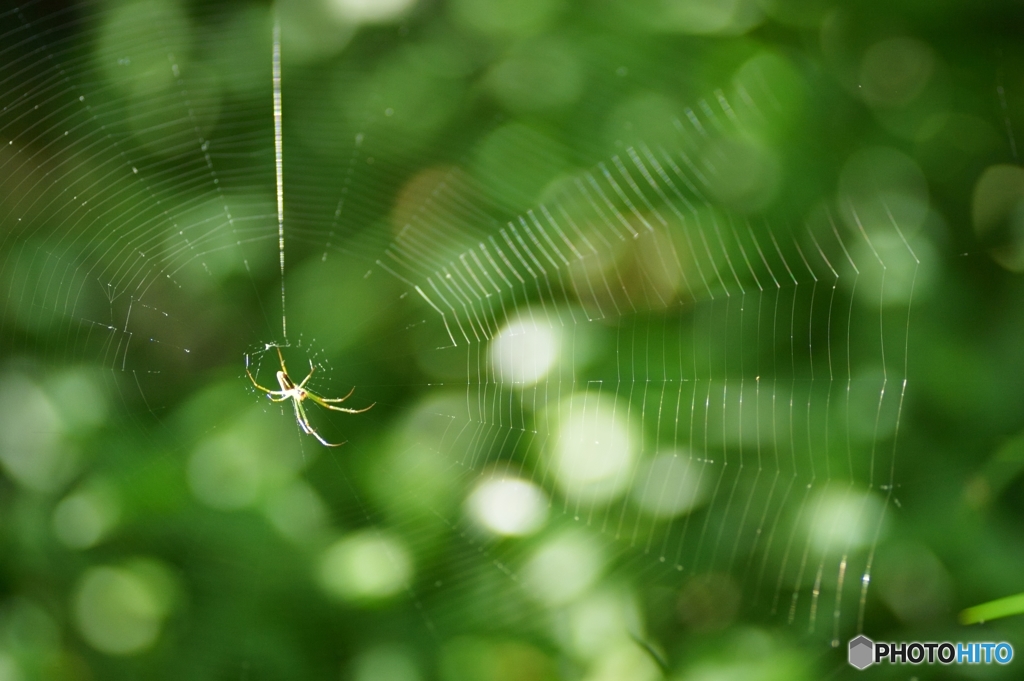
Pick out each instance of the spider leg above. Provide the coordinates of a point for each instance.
(323, 403)
(340, 399)
(309, 375)
(300, 416)
(251, 378)
(280, 357)
(324, 442)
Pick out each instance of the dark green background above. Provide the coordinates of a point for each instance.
(138, 260)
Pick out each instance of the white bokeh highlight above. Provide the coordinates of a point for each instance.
(525, 350)
(225, 472)
(120, 610)
(669, 485)
(369, 11)
(32, 450)
(593, 449)
(845, 519)
(508, 506)
(602, 620)
(85, 516)
(9, 670)
(385, 662)
(365, 566)
(296, 511)
(563, 568)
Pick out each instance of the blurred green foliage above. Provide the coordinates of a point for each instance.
(841, 206)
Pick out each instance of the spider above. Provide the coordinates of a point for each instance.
(297, 393)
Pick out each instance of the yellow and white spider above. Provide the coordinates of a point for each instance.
(298, 393)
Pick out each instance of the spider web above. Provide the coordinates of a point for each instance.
(690, 393)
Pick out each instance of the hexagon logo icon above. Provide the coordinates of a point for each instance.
(862, 652)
